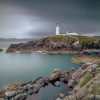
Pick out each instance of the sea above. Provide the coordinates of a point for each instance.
(27, 66)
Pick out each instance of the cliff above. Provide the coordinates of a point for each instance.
(49, 44)
(57, 44)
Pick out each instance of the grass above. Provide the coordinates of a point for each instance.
(85, 80)
(61, 38)
(85, 42)
(89, 42)
(98, 65)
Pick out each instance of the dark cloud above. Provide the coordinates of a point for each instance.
(40, 16)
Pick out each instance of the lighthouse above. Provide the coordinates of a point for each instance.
(57, 29)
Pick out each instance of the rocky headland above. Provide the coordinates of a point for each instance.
(57, 44)
(51, 44)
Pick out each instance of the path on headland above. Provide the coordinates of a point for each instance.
(77, 42)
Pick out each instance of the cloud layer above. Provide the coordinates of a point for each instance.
(26, 18)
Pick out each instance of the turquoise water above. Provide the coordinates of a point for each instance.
(28, 66)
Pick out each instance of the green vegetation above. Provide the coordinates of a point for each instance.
(98, 65)
(85, 42)
(85, 80)
(62, 39)
(89, 42)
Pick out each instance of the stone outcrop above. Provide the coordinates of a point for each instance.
(88, 88)
(87, 56)
(55, 74)
(20, 91)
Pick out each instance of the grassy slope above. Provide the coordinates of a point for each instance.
(86, 39)
(62, 39)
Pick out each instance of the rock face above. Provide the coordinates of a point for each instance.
(88, 86)
(55, 74)
(48, 44)
(21, 93)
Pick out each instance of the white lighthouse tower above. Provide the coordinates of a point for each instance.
(57, 29)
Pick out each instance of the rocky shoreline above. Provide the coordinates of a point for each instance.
(1, 50)
(57, 44)
(20, 91)
(72, 79)
(89, 55)
(88, 87)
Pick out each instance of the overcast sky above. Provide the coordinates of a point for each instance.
(27, 18)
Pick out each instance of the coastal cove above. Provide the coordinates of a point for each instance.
(29, 66)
